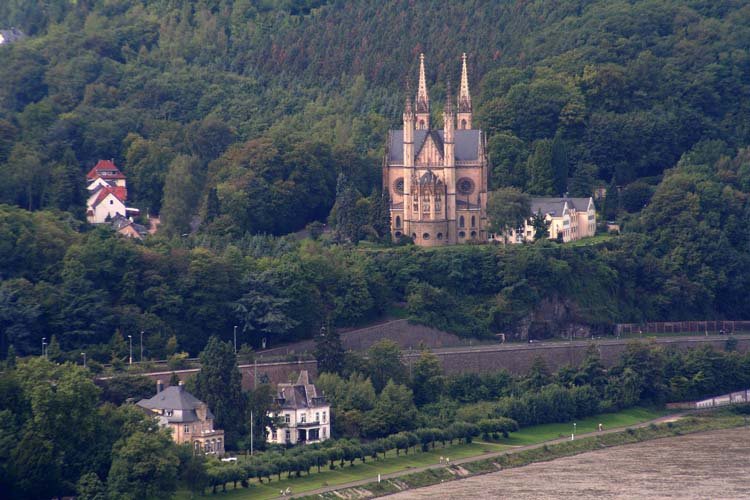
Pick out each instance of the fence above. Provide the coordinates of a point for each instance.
(698, 327)
(725, 400)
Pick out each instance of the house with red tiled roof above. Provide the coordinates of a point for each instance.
(108, 193)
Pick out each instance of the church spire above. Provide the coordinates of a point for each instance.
(423, 100)
(464, 98)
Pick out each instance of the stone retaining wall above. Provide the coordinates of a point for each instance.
(516, 359)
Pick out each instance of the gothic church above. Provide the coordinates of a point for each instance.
(437, 179)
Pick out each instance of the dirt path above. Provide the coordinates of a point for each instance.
(413, 470)
(713, 465)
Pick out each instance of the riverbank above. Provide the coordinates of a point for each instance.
(662, 428)
(709, 464)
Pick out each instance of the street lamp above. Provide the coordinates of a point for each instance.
(130, 359)
(574, 430)
(235, 339)
(84, 359)
(44, 351)
(141, 345)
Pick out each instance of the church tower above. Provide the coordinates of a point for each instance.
(464, 98)
(449, 164)
(423, 100)
(437, 179)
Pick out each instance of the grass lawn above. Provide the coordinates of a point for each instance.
(546, 432)
(369, 470)
(346, 474)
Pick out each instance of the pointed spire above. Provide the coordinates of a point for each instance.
(423, 100)
(464, 97)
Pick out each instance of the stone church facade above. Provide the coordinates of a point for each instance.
(437, 179)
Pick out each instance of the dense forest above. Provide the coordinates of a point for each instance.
(236, 122)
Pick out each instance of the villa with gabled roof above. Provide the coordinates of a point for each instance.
(189, 418)
(302, 414)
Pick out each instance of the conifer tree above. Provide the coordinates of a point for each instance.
(218, 384)
(329, 351)
(213, 206)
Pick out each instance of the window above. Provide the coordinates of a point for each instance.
(438, 205)
(197, 445)
(169, 413)
(287, 436)
(461, 221)
(303, 418)
(465, 186)
(287, 418)
(111, 202)
(398, 221)
(186, 429)
(426, 236)
(473, 221)
(218, 445)
(440, 236)
(324, 417)
(426, 207)
(398, 185)
(273, 435)
(473, 234)
(463, 124)
(323, 432)
(414, 236)
(461, 234)
(398, 234)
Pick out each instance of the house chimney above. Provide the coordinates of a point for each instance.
(159, 386)
(181, 385)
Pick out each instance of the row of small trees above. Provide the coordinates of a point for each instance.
(296, 461)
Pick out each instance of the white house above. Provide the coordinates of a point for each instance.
(108, 193)
(303, 416)
(570, 218)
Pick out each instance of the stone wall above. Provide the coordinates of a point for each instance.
(514, 358)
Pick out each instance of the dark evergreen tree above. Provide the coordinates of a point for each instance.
(611, 202)
(213, 206)
(218, 384)
(540, 225)
(329, 352)
(347, 224)
(559, 165)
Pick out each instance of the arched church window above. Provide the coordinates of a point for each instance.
(473, 234)
(426, 236)
(421, 124)
(461, 221)
(414, 236)
(473, 221)
(440, 236)
(461, 234)
(397, 234)
(463, 124)
(398, 221)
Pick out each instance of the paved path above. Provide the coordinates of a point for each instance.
(483, 456)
